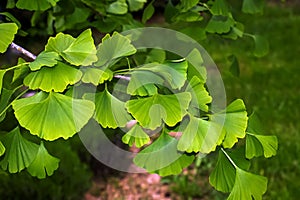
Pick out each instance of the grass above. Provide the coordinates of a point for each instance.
(271, 87)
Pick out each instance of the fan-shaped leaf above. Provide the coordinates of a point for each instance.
(200, 135)
(135, 5)
(162, 157)
(151, 111)
(51, 116)
(7, 35)
(96, 76)
(248, 186)
(43, 163)
(59, 43)
(200, 96)
(55, 78)
(235, 123)
(109, 112)
(136, 136)
(220, 7)
(113, 48)
(19, 152)
(45, 58)
(219, 24)
(36, 4)
(253, 6)
(118, 7)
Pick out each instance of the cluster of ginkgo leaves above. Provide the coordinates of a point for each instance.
(164, 94)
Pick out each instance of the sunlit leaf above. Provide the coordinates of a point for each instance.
(162, 157)
(200, 96)
(19, 151)
(109, 111)
(48, 59)
(220, 7)
(200, 135)
(7, 35)
(56, 78)
(136, 135)
(118, 7)
(51, 116)
(253, 6)
(219, 24)
(150, 112)
(235, 123)
(258, 145)
(77, 51)
(135, 5)
(43, 164)
(113, 48)
(248, 186)
(36, 4)
(96, 76)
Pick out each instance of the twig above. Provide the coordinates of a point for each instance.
(23, 51)
(127, 78)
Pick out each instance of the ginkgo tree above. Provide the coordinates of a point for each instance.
(166, 96)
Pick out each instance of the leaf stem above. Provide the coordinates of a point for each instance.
(16, 66)
(249, 35)
(228, 157)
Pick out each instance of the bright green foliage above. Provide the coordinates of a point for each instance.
(248, 186)
(151, 111)
(43, 163)
(200, 136)
(79, 51)
(219, 24)
(7, 34)
(51, 116)
(36, 4)
(2, 149)
(2, 73)
(253, 6)
(109, 111)
(258, 145)
(235, 123)
(135, 5)
(136, 136)
(48, 59)
(96, 76)
(53, 79)
(118, 7)
(113, 48)
(200, 96)
(20, 152)
(162, 157)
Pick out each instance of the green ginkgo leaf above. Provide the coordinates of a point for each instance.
(109, 111)
(113, 48)
(19, 152)
(7, 35)
(136, 135)
(220, 7)
(56, 78)
(135, 5)
(162, 157)
(51, 116)
(150, 112)
(253, 6)
(4, 101)
(261, 46)
(34, 5)
(200, 96)
(2, 149)
(43, 164)
(235, 123)
(118, 7)
(200, 135)
(248, 186)
(2, 73)
(219, 24)
(48, 59)
(96, 76)
(77, 51)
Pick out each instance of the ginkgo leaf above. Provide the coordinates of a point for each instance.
(76, 51)
(162, 157)
(200, 135)
(222, 177)
(253, 6)
(2, 149)
(45, 58)
(34, 5)
(118, 7)
(151, 111)
(136, 135)
(135, 5)
(43, 163)
(248, 186)
(51, 116)
(219, 24)
(258, 145)
(235, 123)
(109, 111)
(113, 48)
(96, 76)
(7, 35)
(200, 96)
(2, 73)
(220, 7)
(261, 46)
(4, 101)
(19, 152)
(56, 78)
